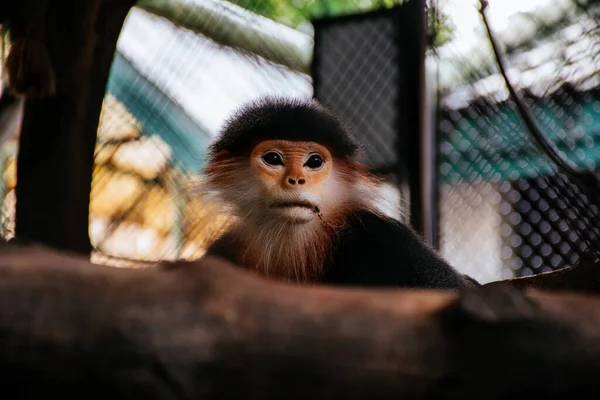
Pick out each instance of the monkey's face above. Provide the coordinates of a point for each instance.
(293, 177)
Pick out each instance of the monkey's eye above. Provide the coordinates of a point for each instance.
(272, 158)
(315, 161)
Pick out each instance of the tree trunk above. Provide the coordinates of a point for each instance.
(58, 136)
(207, 330)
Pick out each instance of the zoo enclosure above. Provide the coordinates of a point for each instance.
(502, 209)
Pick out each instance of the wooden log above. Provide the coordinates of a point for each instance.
(58, 135)
(72, 329)
(582, 278)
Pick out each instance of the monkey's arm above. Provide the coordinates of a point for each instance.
(378, 251)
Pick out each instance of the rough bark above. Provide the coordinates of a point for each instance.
(58, 135)
(72, 329)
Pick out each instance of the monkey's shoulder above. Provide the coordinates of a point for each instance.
(225, 247)
(376, 250)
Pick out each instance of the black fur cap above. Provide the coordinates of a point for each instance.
(273, 118)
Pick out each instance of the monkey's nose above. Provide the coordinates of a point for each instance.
(299, 181)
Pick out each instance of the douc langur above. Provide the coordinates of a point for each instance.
(305, 209)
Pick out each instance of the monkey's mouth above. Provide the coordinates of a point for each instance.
(291, 204)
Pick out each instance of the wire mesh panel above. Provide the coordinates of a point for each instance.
(356, 74)
(505, 209)
(546, 231)
(362, 70)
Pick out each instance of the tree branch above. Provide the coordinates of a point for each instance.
(586, 182)
(207, 329)
(230, 25)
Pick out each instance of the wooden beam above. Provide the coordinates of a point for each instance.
(209, 330)
(233, 26)
(58, 136)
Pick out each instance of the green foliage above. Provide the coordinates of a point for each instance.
(440, 29)
(295, 12)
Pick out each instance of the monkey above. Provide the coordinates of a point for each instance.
(305, 208)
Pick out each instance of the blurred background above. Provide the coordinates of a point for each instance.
(461, 165)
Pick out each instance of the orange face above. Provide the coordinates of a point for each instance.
(293, 175)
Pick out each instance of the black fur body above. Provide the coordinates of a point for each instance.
(375, 251)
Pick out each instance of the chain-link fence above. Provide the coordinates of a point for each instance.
(174, 86)
(503, 210)
(357, 73)
(178, 72)
(503, 204)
